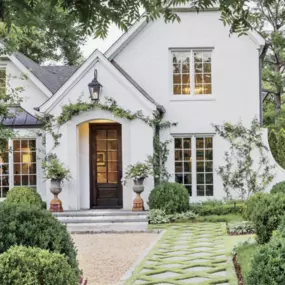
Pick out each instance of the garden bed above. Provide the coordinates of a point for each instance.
(104, 258)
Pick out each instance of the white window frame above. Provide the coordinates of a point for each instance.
(191, 96)
(11, 162)
(194, 162)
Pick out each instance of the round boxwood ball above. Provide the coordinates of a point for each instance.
(30, 266)
(171, 197)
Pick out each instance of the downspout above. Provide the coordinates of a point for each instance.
(260, 88)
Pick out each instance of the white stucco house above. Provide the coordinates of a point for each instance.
(194, 72)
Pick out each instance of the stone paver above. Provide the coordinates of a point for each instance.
(187, 254)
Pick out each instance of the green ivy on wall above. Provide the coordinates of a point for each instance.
(52, 124)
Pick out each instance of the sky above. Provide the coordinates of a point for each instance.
(101, 44)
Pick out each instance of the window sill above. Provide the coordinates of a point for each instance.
(192, 98)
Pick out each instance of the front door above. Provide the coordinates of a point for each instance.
(106, 165)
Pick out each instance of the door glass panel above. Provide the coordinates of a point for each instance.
(112, 177)
(101, 144)
(112, 134)
(107, 156)
(112, 144)
(100, 134)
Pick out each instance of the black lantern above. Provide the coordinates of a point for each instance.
(94, 87)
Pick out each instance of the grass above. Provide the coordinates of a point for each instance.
(245, 255)
(184, 247)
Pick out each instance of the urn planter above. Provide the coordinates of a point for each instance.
(55, 189)
(138, 188)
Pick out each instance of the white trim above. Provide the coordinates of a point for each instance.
(31, 76)
(96, 57)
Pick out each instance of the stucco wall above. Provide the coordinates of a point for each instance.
(74, 144)
(235, 78)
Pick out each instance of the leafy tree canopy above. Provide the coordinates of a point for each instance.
(53, 29)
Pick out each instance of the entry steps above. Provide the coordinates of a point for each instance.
(96, 221)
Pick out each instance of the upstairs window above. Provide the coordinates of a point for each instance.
(2, 82)
(192, 72)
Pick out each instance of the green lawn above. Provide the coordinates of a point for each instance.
(244, 257)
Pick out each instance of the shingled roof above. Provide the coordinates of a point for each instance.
(53, 77)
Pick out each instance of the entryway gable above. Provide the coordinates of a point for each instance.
(114, 85)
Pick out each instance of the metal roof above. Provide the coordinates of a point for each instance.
(21, 119)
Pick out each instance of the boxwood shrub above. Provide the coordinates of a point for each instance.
(30, 266)
(170, 197)
(24, 196)
(30, 226)
(267, 266)
(278, 188)
(218, 208)
(267, 215)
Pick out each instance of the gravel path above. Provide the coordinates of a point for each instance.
(104, 258)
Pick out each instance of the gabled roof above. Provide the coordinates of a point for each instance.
(81, 71)
(137, 27)
(21, 119)
(53, 77)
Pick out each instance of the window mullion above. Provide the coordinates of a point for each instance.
(192, 69)
(194, 172)
(11, 163)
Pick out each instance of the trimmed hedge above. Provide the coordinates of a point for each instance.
(24, 196)
(217, 208)
(170, 197)
(31, 266)
(35, 228)
(250, 205)
(278, 188)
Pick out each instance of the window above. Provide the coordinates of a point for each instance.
(24, 163)
(192, 72)
(183, 162)
(204, 166)
(194, 164)
(4, 173)
(2, 82)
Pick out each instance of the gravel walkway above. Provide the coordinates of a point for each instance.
(104, 258)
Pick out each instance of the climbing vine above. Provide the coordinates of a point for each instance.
(52, 124)
(242, 172)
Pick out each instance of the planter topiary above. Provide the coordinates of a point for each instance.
(170, 197)
(30, 266)
(30, 226)
(278, 188)
(24, 196)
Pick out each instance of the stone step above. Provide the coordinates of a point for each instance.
(106, 227)
(102, 219)
(107, 213)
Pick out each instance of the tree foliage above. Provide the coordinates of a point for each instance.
(42, 30)
(53, 29)
(247, 169)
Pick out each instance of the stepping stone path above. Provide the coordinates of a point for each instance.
(187, 254)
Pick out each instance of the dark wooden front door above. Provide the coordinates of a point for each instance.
(106, 165)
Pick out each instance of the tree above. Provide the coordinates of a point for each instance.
(47, 32)
(281, 148)
(268, 19)
(42, 27)
(273, 138)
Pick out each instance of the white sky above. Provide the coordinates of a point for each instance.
(101, 44)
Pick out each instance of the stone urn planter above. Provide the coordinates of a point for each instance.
(55, 189)
(138, 188)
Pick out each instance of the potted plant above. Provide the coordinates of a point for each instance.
(138, 172)
(56, 172)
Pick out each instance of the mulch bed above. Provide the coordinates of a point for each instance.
(238, 270)
(244, 234)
